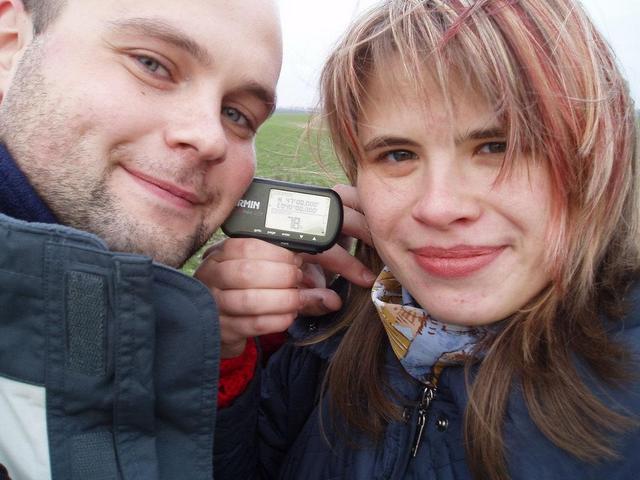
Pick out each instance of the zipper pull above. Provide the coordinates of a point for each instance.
(422, 421)
(428, 394)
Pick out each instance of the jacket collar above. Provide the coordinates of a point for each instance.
(18, 199)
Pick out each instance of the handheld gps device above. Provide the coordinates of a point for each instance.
(298, 217)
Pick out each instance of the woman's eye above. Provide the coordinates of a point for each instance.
(493, 148)
(152, 65)
(236, 116)
(399, 155)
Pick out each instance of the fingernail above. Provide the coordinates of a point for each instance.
(369, 277)
(326, 310)
(298, 260)
(330, 308)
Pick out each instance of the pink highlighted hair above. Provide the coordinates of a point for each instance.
(555, 84)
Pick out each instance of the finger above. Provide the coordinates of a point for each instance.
(256, 302)
(355, 225)
(231, 350)
(249, 274)
(319, 301)
(354, 221)
(213, 247)
(249, 248)
(313, 276)
(349, 196)
(340, 261)
(235, 329)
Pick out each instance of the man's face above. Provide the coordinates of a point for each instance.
(135, 120)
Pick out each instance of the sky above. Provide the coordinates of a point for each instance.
(311, 28)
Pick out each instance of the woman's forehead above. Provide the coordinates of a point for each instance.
(395, 88)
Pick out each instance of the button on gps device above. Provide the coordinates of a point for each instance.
(299, 217)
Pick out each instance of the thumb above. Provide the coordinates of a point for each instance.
(319, 301)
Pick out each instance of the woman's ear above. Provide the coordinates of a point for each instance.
(16, 32)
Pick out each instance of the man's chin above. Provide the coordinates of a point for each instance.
(167, 249)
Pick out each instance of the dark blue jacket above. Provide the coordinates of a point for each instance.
(273, 431)
(108, 361)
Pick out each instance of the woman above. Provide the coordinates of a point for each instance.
(492, 144)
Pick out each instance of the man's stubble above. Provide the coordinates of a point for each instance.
(49, 144)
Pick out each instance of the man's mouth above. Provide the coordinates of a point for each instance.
(166, 190)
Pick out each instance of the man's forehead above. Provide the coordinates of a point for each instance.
(210, 12)
(241, 37)
(200, 25)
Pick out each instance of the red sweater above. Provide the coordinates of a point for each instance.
(237, 372)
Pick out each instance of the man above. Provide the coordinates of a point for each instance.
(128, 126)
(144, 112)
(132, 120)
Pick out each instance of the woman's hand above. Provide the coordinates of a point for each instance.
(321, 268)
(261, 288)
(255, 285)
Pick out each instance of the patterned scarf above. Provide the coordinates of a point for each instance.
(423, 345)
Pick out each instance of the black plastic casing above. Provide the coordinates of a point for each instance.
(249, 217)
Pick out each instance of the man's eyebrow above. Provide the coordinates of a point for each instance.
(164, 31)
(385, 142)
(481, 134)
(265, 95)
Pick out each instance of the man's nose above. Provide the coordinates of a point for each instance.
(200, 132)
(446, 197)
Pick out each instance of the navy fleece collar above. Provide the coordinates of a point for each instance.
(18, 198)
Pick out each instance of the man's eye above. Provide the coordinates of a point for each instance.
(399, 155)
(152, 65)
(236, 116)
(493, 148)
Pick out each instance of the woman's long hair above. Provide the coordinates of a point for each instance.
(554, 83)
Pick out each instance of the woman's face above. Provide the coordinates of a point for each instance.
(470, 249)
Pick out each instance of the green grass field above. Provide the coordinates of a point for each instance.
(286, 151)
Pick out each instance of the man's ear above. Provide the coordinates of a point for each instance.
(16, 32)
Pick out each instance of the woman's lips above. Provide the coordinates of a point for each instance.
(455, 262)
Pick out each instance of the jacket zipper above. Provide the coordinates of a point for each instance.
(428, 394)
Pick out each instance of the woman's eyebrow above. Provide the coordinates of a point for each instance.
(160, 29)
(476, 134)
(384, 142)
(481, 134)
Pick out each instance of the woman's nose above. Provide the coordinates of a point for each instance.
(446, 197)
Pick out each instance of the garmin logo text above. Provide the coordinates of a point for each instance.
(251, 204)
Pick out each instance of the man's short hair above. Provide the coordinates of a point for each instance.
(43, 12)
